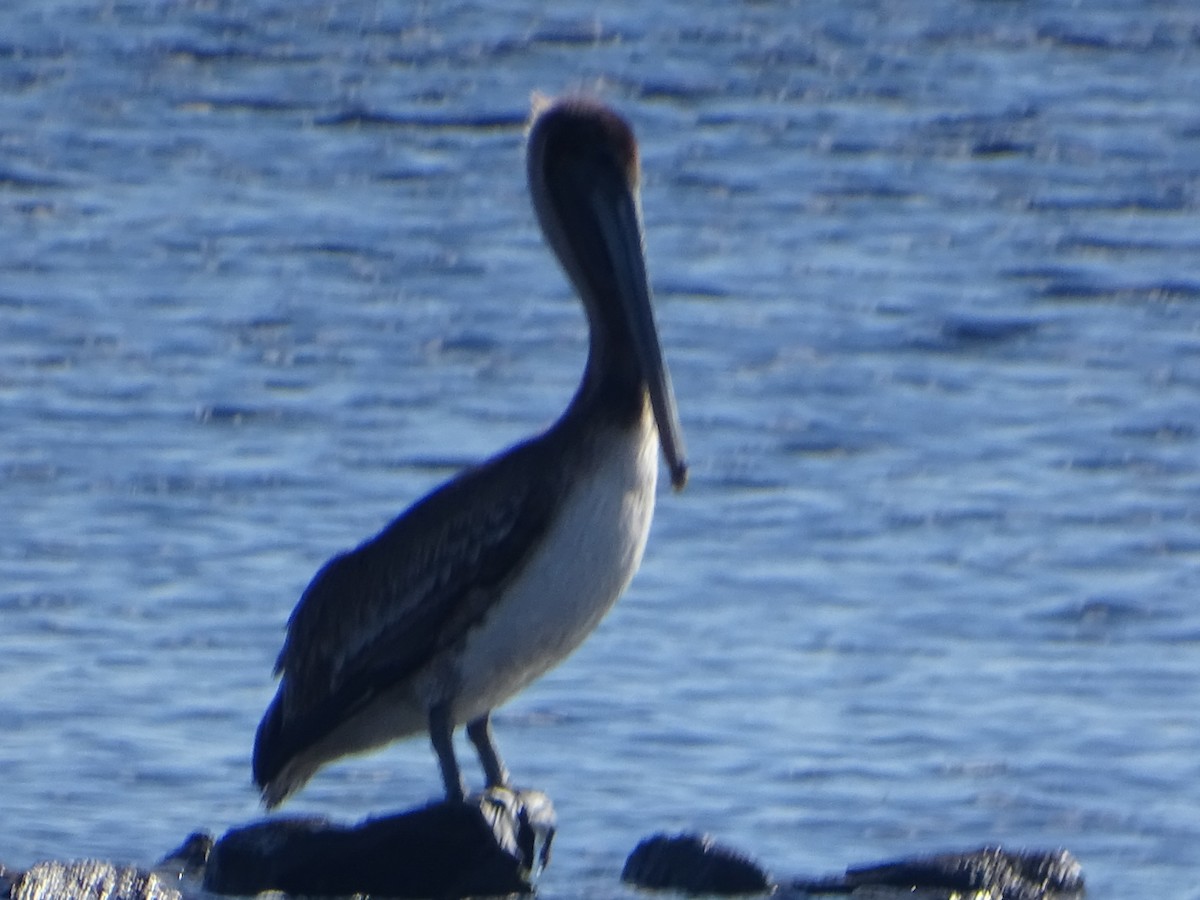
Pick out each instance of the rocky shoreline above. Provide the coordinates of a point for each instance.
(497, 843)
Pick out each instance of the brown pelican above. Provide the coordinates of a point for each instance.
(497, 575)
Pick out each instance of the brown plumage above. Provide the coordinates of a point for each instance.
(501, 572)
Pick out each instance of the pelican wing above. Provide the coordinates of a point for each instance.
(375, 615)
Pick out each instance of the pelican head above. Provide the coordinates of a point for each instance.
(583, 178)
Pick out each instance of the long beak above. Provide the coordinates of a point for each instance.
(622, 229)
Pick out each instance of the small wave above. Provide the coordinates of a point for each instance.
(359, 117)
(973, 331)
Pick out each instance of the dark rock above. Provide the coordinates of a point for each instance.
(189, 859)
(991, 871)
(693, 864)
(89, 880)
(495, 843)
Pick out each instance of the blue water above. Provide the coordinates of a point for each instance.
(928, 279)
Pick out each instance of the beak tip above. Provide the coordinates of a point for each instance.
(679, 475)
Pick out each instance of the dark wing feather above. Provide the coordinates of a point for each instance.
(374, 616)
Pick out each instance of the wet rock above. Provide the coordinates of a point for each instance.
(87, 880)
(189, 859)
(991, 872)
(495, 843)
(693, 864)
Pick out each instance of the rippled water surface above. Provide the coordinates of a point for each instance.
(928, 278)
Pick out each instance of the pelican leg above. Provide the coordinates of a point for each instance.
(480, 733)
(441, 734)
